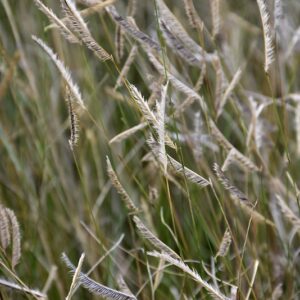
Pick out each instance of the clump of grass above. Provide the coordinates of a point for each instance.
(10, 234)
(197, 107)
(225, 244)
(93, 286)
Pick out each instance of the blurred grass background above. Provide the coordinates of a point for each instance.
(57, 194)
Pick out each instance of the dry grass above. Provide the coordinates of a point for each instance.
(189, 115)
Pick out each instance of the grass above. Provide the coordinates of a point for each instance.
(177, 180)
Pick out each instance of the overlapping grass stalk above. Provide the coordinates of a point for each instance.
(188, 114)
